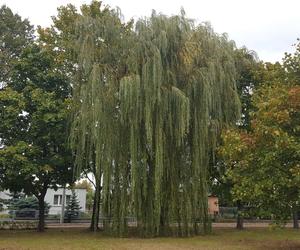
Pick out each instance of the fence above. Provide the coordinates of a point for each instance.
(26, 214)
(228, 212)
(33, 215)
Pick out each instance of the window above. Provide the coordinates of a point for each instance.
(68, 197)
(57, 199)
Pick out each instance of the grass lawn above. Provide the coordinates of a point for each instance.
(82, 239)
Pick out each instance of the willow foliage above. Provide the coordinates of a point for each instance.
(151, 103)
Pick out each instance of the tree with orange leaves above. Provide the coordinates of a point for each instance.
(264, 164)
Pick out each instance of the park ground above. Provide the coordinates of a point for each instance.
(79, 238)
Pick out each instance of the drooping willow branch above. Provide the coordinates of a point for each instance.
(150, 106)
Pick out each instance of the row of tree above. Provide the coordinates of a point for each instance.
(262, 160)
(141, 105)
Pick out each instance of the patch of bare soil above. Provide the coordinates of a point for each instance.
(280, 245)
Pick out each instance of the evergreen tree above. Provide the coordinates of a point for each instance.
(73, 207)
(1, 204)
(26, 206)
(85, 184)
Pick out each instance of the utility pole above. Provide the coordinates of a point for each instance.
(62, 214)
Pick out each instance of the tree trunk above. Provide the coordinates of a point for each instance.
(96, 207)
(41, 224)
(240, 218)
(93, 226)
(295, 219)
(93, 214)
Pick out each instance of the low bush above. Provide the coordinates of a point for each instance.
(18, 225)
(4, 216)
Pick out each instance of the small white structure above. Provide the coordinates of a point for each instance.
(54, 199)
(4, 196)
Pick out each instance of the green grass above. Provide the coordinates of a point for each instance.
(83, 239)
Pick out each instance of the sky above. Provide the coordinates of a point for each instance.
(269, 27)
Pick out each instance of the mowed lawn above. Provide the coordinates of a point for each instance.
(82, 239)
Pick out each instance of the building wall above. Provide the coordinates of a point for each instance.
(49, 198)
(56, 208)
(4, 196)
(213, 205)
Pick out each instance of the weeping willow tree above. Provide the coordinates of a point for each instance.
(150, 106)
(96, 129)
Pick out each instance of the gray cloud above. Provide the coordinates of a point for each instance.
(269, 27)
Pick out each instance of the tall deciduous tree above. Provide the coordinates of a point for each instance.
(15, 35)
(247, 65)
(149, 108)
(62, 38)
(100, 53)
(264, 163)
(33, 129)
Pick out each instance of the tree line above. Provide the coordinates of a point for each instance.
(142, 105)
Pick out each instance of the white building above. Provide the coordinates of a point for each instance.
(4, 196)
(54, 199)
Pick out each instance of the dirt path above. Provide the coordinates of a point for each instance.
(214, 225)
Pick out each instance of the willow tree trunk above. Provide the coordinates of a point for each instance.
(96, 207)
(240, 218)
(295, 218)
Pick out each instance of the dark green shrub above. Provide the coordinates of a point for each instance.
(26, 207)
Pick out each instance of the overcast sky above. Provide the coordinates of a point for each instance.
(270, 27)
